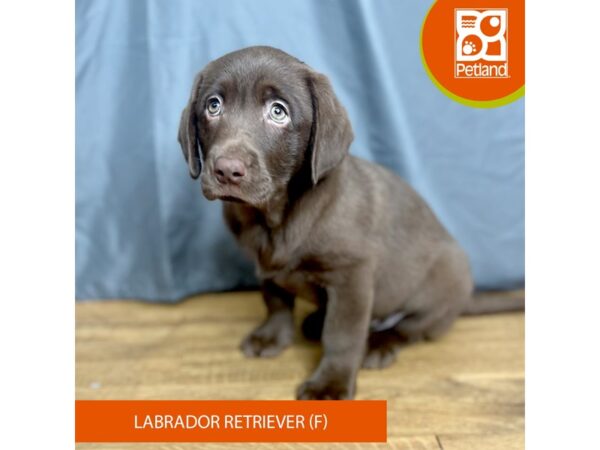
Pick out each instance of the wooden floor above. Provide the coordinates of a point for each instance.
(463, 392)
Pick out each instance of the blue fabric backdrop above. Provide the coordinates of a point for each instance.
(143, 229)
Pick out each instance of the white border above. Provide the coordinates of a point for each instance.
(36, 239)
(37, 232)
(563, 225)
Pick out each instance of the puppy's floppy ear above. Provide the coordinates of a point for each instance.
(188, 132)
(331, 133)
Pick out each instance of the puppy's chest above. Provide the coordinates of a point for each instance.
(277, 257)
(272, 251)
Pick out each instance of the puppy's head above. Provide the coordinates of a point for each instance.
(257, 118)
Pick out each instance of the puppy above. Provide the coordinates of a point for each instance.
(266, 134)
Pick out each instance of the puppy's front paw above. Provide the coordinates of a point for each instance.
(329, 390)
(268, 340)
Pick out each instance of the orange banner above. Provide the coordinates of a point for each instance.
(230, 421)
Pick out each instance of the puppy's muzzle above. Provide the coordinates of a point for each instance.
(229, 170)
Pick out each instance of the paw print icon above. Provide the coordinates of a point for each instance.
(471, 45)
(468, 48)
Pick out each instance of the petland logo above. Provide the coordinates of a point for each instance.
(481, 43)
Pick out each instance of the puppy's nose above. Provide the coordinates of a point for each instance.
(229, 170)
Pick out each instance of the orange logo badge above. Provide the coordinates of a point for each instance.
(475, 53)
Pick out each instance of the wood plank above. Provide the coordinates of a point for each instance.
(400, 443)
(511, 441)
(467, 385)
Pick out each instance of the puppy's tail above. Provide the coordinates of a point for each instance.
(490, 302)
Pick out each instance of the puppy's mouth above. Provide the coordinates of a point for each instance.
(214, 191)
(231, 198)
(253, 192)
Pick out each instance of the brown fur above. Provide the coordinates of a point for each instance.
(319, 223)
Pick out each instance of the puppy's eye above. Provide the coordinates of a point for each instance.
(213, 106)
(278, 113)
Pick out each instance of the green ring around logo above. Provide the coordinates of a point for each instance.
(457, 98)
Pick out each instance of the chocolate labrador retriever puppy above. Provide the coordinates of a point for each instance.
(266, 134)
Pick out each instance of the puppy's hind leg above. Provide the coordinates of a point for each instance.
(426, 325)
(382, 348)
(440, 299)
